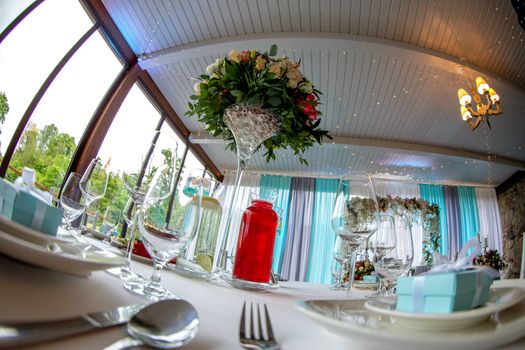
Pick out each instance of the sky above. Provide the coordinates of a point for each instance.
(30, 53)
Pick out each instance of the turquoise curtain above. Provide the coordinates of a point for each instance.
(469, 217)
(323, 237)
(433, 194)
(282, 185)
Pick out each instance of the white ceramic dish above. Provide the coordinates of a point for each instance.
(350, 319)
(59, 257)
(499, 299)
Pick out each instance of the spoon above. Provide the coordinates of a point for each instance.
(166, 324)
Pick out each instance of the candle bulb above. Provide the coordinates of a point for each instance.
(485, 242)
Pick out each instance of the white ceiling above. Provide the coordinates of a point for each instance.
(388, 69)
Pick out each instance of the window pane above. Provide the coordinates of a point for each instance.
(10, 9)
(32, 50)
(192, 162)
(62, 115)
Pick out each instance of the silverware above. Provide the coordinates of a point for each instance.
(167, 324)
(252, 341)
(17, 334)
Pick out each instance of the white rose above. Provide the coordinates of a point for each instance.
(212, 68)
(197, 88)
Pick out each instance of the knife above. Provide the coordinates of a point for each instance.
(17, 334)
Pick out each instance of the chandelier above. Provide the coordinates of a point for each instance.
(485, 107)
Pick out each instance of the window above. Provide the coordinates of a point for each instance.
(10, 9)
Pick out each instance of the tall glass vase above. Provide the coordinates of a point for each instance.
(250, 125)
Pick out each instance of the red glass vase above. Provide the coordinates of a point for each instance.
(254, 254)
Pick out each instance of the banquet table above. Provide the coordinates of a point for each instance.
(29, 293)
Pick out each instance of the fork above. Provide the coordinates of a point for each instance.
(252, 342)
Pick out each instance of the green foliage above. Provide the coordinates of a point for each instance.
(4, 107)
(275, 84)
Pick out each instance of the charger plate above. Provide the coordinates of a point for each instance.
(61, 257)
(350, 319)
(499, 299)
(29, 234)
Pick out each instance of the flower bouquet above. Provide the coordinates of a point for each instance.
(362, 268)
(490, 257)
(263, 81)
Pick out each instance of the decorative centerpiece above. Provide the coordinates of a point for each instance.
(251, 98)
(490, 257)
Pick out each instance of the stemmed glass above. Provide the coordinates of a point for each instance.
(110, 221)
(94, 182)
(166, 226)
(342, 254)
(72, 202)
(355, 213)
(137, 179)
(381, 243)
(396, 253)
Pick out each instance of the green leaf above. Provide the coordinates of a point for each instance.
(273, 50)
(236, 92)
(274, 101)
(194, 97)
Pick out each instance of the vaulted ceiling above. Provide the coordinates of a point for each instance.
(389, 71)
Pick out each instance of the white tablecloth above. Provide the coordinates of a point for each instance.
(30, 293)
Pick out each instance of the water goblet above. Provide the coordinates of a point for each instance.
(342, 253)
(110, 221)
(355, 213)
(93, 183)
(395, 255)
(382, 242)
(72, 203)
(166, 226)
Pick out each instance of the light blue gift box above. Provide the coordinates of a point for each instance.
(32, 212)
(8, 194)
(444, 292)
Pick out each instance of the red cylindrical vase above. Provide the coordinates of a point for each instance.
(253, 258)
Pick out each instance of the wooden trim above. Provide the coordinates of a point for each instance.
(117, 41)
(91, 141)
(19, 19)
(173, 118)
(511, 181)
(36, 99)
(111, 33)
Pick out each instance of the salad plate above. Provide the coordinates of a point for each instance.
(62, 257)
(31, 235)
(351, 319)
(499, 299)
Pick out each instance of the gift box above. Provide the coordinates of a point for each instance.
(8, 194)
(33, 212)
(443, 292)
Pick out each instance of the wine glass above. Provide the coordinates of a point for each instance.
(72, 202)
(110, 221)
(396, 255)
(93, 183)
(381, 243)
(355, 212)
(166, 226)
(342, 253)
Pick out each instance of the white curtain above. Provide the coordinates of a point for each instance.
(404, 190)
(248, 182)
(489, 217)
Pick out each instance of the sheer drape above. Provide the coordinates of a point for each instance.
(404, 190)
(489, 217)
(469, 217)
(434, 195)
(297, 244)
(453, 220)
(323, 237)
(248, 181)
(282, 184)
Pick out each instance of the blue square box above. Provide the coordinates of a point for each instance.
(8, 194)
(35, 213)
(443, 293)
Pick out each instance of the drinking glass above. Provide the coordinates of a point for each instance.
(166, 226)
(355, 212)
(93, 184)
(72, 202)
(396, 255)
(342, 254)
(381, 243)
(110, 221)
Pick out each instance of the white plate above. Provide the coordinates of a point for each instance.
(499, 299)
(66, 258)
(29, 234)
(350, 319)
